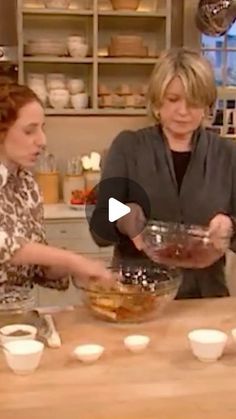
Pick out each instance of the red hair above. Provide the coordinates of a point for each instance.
(13, 97)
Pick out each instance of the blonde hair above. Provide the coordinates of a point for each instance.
(195, 72)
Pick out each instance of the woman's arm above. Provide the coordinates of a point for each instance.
(39, 254)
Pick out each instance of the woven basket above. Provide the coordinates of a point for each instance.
(125, 4)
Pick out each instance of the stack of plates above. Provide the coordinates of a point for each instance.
(45, 46)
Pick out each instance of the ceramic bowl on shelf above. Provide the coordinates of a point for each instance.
(75, 40)
(207, 344)
(55, 81)
(45, 46)
(137, 293)
(59, 98)
(75, 86)
(79, 50)
(57, 4)
(186, 246)
(79, 101)
(125, 4)
(56, 84)
(37, 78)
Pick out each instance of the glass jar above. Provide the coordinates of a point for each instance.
(92, 178)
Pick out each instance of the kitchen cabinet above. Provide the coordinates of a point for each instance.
(157, 22)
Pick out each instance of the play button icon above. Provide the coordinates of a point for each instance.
(116, 210)
(108, 202)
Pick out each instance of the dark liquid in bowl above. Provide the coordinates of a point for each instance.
(17, 333)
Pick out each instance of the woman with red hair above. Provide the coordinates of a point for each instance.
(24, 255)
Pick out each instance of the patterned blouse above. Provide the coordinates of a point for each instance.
(21, 221)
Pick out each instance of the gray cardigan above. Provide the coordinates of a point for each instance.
(208, 188)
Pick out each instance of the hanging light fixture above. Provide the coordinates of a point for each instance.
(215, 17)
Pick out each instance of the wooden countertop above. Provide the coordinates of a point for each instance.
(165, 382)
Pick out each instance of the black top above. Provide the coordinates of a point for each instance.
(180, 161)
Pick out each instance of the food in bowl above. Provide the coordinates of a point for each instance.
(16, 332)
(186, 246)
(136, 294)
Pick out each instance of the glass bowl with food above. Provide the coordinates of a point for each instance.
(184, 246)
(15, 303)
(134, 294)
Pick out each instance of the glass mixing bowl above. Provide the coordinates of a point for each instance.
(15, 303)
(186, 246)
(136, 294)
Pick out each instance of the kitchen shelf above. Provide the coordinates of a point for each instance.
(125, 13)
(158, 22)
(126, 60)
(53, 12)
(63, 60)
(50, 111)
(98, 111)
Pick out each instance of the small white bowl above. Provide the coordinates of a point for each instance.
(80, 50)
(59, 98)
(75, 86)
(136, 343)
(80, 100)
(207, 344)
(88, 353)
(23, 356)
(6, 331)
(233, 333)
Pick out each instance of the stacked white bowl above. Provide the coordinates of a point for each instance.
(79, 98)
(77, 47)
(62, 91)
(36, 82)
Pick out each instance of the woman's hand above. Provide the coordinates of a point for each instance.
(132, 224)
(221, 226)
(84, 270)
(90, 268)
(220, 232)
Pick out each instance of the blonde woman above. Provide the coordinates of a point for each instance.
(188, 172)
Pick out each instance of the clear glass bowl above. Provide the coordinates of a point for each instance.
(15, 303)
(137, 293)
(186, 246)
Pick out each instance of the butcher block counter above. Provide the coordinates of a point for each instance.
(164, 382)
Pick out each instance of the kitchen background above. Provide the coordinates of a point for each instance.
(113, 53)
(85, 130)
